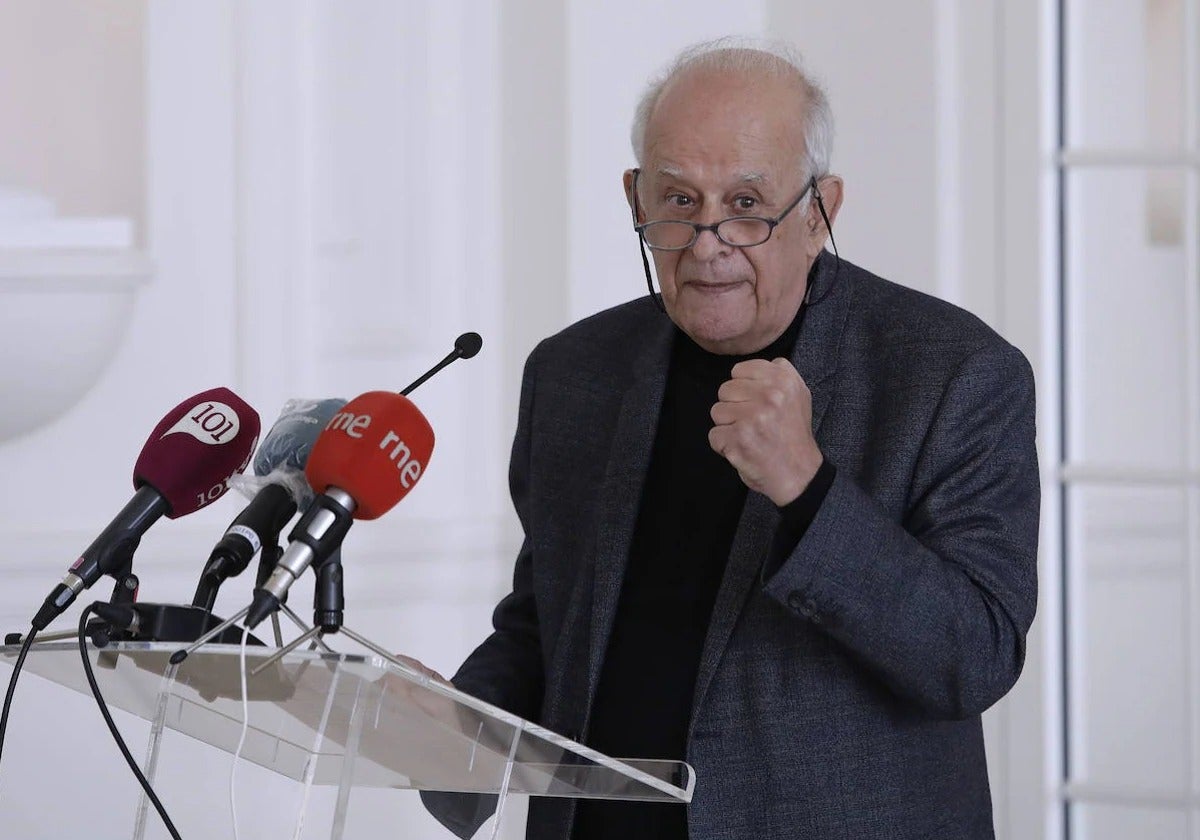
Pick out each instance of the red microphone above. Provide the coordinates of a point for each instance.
(375, 449)
(185, 464)
(369, 457)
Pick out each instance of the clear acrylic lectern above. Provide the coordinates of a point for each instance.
(350, 721)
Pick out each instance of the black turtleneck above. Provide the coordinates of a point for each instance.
(690, 506)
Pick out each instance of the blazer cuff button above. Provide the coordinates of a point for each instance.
(805, 606)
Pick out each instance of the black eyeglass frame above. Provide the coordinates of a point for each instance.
(715, 227)
(643, 244)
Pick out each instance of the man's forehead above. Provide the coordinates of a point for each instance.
(745, 125)
(750, 92)
(679, 172)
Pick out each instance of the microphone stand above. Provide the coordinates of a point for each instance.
(268, 558)
(124, 594)
(267, 561)
(328, 614)
(329, 604)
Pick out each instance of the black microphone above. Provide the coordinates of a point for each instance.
(259, 524)
(282, 456)
(465, 346)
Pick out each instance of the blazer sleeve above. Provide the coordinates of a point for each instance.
(937, 606)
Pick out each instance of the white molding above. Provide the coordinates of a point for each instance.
(1026, 206)
(71, 269)
(1129, 797)
(1138, 572)
(1191, 246)
(1127, 476)
(1124, 158)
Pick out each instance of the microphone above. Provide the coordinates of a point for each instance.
(280, 459)
(285, 450)
(465, 346)
(257, 525)
(367, 459)
(185, 464)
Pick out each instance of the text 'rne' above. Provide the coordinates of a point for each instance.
(351, 424)
(410, 467)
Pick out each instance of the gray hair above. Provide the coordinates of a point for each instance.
(740, 55)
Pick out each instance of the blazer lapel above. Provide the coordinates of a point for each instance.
(815, 357)
(820, 341)
(621, 493)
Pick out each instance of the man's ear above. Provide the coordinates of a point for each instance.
(627, 180)
(832, 191)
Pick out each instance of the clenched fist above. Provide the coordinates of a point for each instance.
(763, 418)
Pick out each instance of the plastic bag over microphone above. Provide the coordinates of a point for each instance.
(283, 453)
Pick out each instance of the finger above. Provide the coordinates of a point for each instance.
(751, 413)
(761, 402)
(752, 369)
(718, 439)
(739, 390)
(733, 442)
(724, 413)
(420, 667)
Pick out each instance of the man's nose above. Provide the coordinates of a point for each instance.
(708, 246)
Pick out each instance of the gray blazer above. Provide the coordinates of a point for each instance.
(838, 695)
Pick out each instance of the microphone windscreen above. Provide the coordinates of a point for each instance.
(376, 448)
(196, 447)
(290, 441)
(468, 344)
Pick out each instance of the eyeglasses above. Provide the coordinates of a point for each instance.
(735, 231)
(755, 231)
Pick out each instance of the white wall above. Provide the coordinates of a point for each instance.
(334, 191)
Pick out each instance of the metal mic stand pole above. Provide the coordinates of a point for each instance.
(329, 606)
(268, 559)
(328, 603)
(183, 653)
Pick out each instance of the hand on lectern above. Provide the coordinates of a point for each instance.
(417, 665)
(416, 694)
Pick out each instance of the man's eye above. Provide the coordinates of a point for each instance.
(745, 203)
(679, 200)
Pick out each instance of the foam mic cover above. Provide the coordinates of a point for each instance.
(184, 465)
(468, 344)
(375, 449)
(287, 446)
(280, 461)
(195, 448)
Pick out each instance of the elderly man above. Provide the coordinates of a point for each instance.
(786, 531)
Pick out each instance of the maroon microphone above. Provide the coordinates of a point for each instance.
(185, 464)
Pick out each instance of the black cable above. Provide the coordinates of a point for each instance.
(837, 265)
(657, 298)
(112, 727)
(12, 685)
